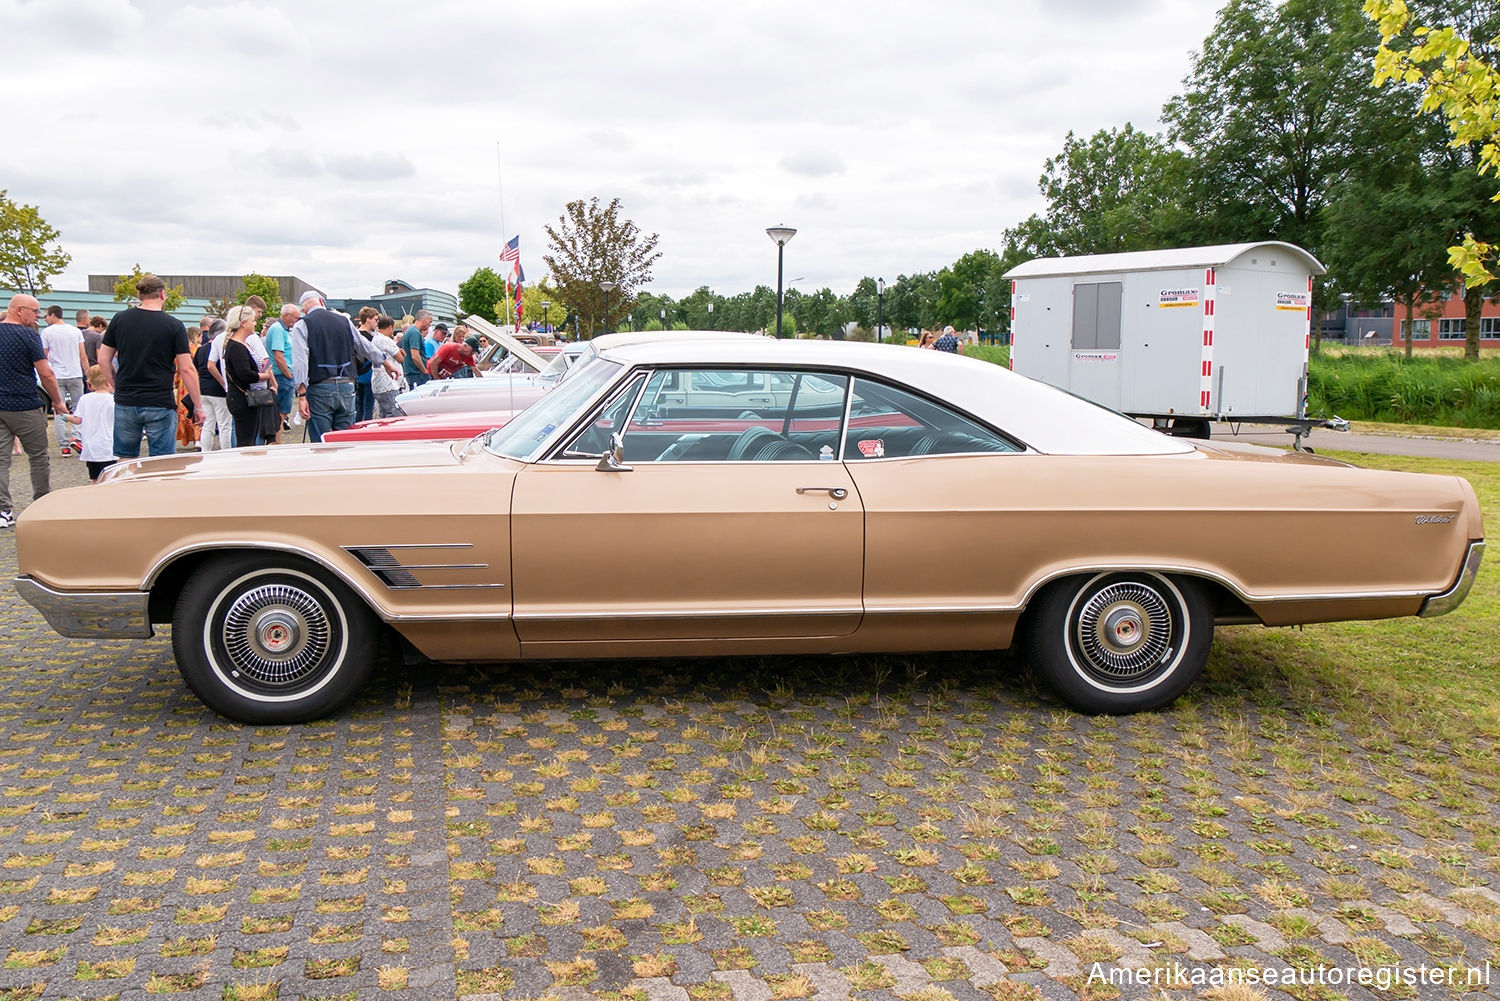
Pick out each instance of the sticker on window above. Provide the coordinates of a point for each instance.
(825, 454)
(872, 448)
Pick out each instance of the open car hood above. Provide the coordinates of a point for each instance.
(509, 342)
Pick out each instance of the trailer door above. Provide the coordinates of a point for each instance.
(1095, 358)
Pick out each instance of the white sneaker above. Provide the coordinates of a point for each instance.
(7, 519)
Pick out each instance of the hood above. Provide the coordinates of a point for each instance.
(509, 342)
(285, 460)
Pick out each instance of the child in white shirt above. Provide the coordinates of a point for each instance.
(95, 414)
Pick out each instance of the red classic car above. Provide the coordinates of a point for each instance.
(423, 427)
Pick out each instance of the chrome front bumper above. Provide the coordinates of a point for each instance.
(89, 614)
(1442, 604)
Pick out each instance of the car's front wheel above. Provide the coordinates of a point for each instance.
(1120, 642)
(270, 639)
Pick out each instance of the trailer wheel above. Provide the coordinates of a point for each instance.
(1195, 427)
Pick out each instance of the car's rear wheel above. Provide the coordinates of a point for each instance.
(1120, 642)
(271, 639)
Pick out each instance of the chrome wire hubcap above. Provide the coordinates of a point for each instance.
(276, 634)
(1124, 631)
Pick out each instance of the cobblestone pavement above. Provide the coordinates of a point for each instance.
(922, 828)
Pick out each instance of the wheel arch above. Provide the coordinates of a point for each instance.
(166, 578)
(1227, 601)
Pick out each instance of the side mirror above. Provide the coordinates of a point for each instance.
(613, 461)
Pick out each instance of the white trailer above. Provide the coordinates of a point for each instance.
(1185, 337)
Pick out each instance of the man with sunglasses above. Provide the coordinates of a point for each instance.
(23, 363)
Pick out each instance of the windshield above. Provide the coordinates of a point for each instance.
(560, 365)
(524, 436)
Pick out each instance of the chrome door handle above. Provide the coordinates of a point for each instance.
(837, 493)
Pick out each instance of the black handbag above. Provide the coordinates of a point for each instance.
(260, 396)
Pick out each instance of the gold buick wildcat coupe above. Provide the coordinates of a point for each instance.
(744, 496)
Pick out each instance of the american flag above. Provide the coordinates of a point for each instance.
(512, 254)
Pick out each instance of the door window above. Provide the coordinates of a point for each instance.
(890, 423)
(736, 415)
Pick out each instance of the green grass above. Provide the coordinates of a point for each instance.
(1439, 673)
(1384, 386)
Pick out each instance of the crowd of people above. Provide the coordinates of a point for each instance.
(143, 376)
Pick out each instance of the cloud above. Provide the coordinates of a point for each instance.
(320, 138)
(371, 167)
(812, 164)
(612, 139)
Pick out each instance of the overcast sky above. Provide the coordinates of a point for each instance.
(350, 142)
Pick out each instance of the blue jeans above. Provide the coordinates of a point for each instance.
(158, 424)
(415, 379)
(330, 406)
(364, 401)
(286, 394)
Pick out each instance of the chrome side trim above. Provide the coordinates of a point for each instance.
(693, 613)
(398, 576)
(89, 614)
(1442, 604)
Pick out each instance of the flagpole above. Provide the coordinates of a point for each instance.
(500, 189)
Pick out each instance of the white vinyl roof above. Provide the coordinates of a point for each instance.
(1218, 256)
(1042, 417)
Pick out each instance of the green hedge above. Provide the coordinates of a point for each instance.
(1384, 386)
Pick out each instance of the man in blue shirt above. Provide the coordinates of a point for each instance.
(279, 346)
(22, 363)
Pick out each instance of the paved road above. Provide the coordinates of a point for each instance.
(916, 827)
(1377, 444)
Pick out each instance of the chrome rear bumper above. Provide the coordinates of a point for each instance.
(89, 614)
(1442, 604)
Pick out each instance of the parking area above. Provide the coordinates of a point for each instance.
(915, 827)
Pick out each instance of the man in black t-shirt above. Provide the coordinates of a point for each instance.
(142, 349)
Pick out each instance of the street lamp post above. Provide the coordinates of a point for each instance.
(547, 315)
(779, 235)
(606, 286)
(710, 314)
(879, 308)
(664, 319)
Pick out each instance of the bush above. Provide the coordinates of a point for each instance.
(1384, 386)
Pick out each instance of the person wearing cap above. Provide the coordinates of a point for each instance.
(454, 357)
(436, 338)
(325, 345)
(150, 346)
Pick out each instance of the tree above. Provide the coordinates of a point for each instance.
(1118, 190)
(1268, 116)
(125, 290)
(968, 286)
(25, 260)
(1458, 67)
(482, 294)
(268, 289)
(532, 297)
(911, 302)
(862, 303)
(590, 245)
(819, 314)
